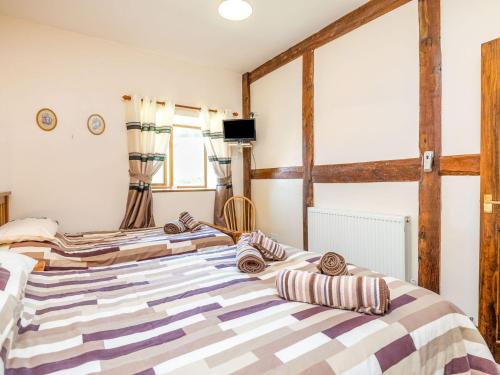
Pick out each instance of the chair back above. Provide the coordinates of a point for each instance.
(239, 214)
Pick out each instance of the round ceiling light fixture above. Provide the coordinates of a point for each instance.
(235, 10)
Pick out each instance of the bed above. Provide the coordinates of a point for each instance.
(197, 313)
(92, 249)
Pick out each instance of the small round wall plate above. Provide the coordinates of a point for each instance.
(46, 119)
(96, 124)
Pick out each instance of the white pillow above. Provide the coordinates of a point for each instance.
(14, 272)
(10, 309)
(17, 261)
(29, 229)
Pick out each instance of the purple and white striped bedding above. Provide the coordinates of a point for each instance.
(92, 249)
(197, 314)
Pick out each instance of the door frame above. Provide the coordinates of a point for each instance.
(489, 166)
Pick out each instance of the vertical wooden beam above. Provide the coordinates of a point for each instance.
(307, 137)
(429, 233)
(247, 157)
(490, 184)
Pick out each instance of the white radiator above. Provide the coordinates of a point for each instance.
(377, 242)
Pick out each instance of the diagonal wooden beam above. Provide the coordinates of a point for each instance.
(351, 21)
(429, 218)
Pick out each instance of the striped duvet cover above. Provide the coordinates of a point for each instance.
(92, 249)
(197, 314)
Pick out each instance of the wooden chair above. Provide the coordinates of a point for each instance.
(239, 215)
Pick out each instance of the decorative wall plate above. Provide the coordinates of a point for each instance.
(46, 119)
(96, 124)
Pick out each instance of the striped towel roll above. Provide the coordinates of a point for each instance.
(249, 259)
(190, 222)
(332, 264)
(369, 295)
(270, 249)
(174, 227)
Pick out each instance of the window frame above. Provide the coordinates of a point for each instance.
(168, 167)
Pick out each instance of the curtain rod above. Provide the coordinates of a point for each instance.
(128, 97)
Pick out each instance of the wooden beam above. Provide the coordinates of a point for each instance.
(351, 21)
(307, 138)
(429, 218)
(490, 184)
(247, 157)
(459, 165)
(372, 171)
(399, 170)
(281, 173)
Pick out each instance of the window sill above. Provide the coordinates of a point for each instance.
(178, 190)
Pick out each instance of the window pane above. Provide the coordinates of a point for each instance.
(189, 157)
(187, 120)
(159, 176)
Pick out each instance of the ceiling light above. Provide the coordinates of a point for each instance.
(235, 10)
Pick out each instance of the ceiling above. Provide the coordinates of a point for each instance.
(189, 30)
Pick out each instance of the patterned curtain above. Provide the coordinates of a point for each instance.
(219, 155)
(148, 131)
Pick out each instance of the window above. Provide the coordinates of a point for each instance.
(187, 165)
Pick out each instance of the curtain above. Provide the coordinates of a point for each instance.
(149, 126)
(219, 155)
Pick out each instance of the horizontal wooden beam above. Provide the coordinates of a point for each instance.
(278, 173)
(359, 17)
(372, 171)
(459, 165)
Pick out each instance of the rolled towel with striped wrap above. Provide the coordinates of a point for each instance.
(248, 258)
(364, 294)
(332, 264)
(270, 249)
(175, 227)
(190, 222)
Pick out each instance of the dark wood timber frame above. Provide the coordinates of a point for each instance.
(429, 216)
(384, 170)
(490, 170)
(247, 157)
(307, 138)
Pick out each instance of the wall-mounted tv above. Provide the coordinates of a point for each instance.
(239, 130)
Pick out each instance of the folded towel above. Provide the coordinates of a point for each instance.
(248, 258)
(174, 227)
(270, 249)
(369, 295)
(190, 222)
(332, 264)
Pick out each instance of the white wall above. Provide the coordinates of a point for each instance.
(69, 174)
(366, 108)
(366, 92)
(279, 209)
(277, 102)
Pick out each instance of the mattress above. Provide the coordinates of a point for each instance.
(92, 249)
(196, 313)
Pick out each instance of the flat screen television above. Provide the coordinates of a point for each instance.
(238, 130)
